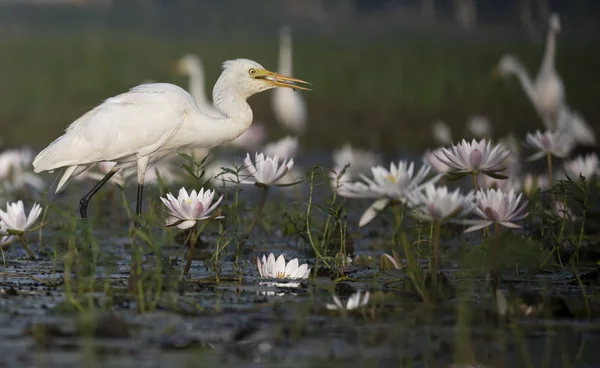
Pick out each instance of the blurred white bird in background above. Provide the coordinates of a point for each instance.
(289, 107)
(191, 66)
(442, 134)
(152, 121)
(547, 92)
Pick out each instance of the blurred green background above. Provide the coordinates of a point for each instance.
(383, 71)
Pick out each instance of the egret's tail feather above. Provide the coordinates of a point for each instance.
(67, 174)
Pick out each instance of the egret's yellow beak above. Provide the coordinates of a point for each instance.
(279, 80)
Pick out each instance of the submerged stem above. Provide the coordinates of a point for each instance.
(550, 177)
(261, 205)
(475, 184)
(25, 243)
(188, 262)
(496, 271)
(436, 252)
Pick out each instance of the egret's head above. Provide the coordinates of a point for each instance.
(555, 23)
(507, 65)
(188, 64)
(246, 77)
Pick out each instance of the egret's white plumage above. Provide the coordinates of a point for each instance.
(289, 107)
(191, 66)
(547, 91)
(151, 121)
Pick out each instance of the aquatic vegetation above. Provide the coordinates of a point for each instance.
(269, 267)
(187, 209)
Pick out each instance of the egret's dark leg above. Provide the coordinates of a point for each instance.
(140, 195)
(83, 203)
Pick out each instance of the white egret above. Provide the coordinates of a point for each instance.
(151, 121)
(289, 107)
(547, 92)
(191, 66)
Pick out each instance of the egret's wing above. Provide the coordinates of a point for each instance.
(134, 123)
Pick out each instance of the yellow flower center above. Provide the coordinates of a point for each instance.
(189, 201)
(391, 178)
(282, 275)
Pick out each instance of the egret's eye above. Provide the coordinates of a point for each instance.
(252, 71)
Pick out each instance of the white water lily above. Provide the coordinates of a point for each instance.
(186, 210)
(438, 204)
(356, 300)
(475, 157)
(497, 207)
(285, 147)
(268, 267)
(430, 158)
(16, 221)
(555, 143)
(394, 184)
(15, 170)
(587, 166)
(265, 171)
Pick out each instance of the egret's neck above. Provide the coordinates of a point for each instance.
(196, 86)
(550, 52)
(520, 72)
(285, 55)
(237, 113)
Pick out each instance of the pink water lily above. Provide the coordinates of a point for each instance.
(186, 210)
(556, 143)
(474, 157)
(439, 204)
(497, 207)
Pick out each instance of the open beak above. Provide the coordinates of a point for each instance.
(279, 80)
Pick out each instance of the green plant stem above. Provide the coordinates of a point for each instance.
(580, 240)
(261, 205)
(475, 184)
(318, 254)
(190, 252)
(398, 219)
(436, 253)
(549, 161)
(25, 243)
(495, 270)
